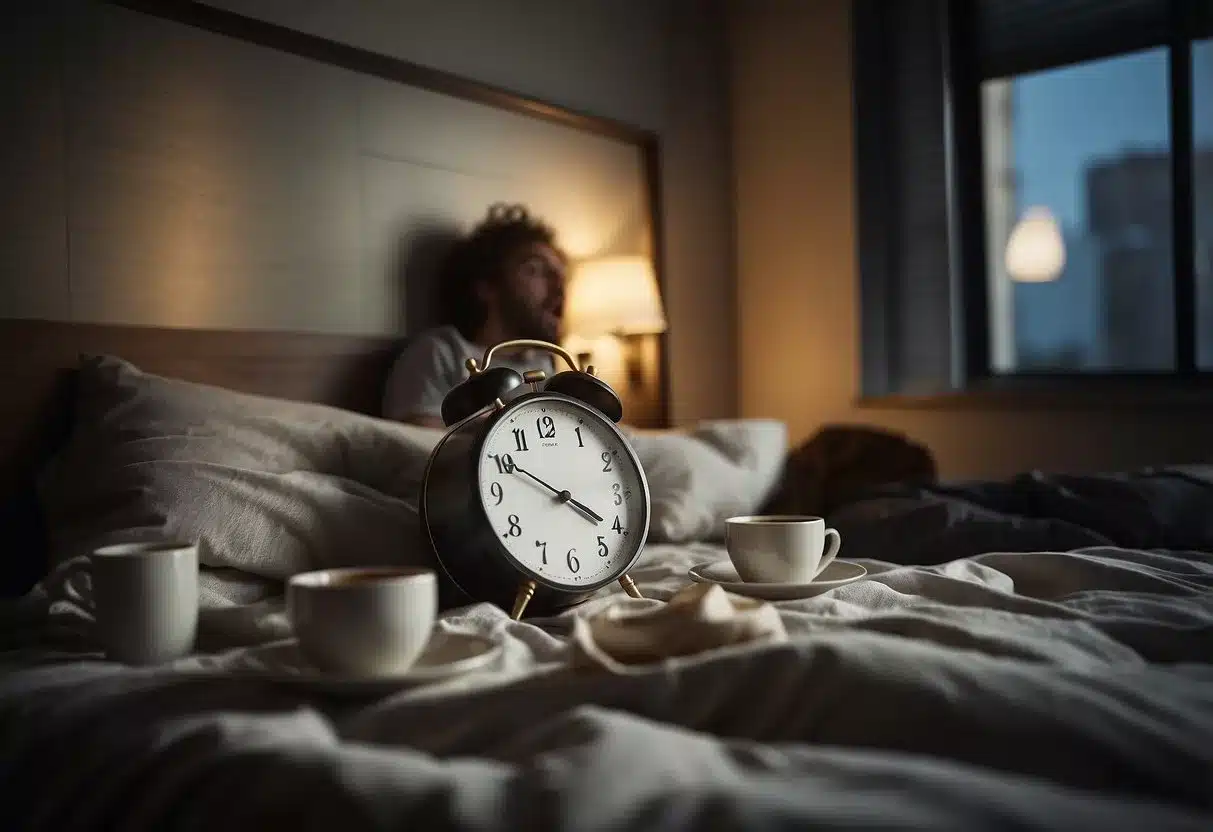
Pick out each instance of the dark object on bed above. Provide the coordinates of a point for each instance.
(1152, 508)
(39, 426)
(25, 544)
(840, 463)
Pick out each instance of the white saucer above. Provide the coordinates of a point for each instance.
(839, 573)
(447, 655)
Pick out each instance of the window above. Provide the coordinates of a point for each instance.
(1202, 196)
(1077, 165)
(1035, 190)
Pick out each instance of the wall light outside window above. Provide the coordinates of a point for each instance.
(1036, 252)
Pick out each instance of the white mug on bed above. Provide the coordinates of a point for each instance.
(780, 548)
(145, 597)
(363, 621)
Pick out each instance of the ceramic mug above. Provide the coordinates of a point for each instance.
(145, 597)
(363, 621)
(780, 548)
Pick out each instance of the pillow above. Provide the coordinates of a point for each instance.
(268, 487)
(698, 478)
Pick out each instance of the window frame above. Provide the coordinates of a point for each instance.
(973, 381)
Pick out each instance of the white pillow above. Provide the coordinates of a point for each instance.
(700, 477)
(269, 487)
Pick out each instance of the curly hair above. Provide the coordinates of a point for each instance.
(482, 256)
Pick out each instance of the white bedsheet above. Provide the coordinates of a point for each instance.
(1043, 691)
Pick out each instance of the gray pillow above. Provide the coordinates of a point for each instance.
(268, 487)
(700, 477)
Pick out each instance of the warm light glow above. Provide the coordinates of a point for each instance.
(605, 352)
(614, 296)
(1036, 252)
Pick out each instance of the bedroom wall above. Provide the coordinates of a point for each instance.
(162, 175)
(656, 64)
(798, 356)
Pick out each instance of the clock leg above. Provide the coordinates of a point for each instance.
(526, 590)
(629, 586)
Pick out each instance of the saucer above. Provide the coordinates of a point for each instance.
(839, 573)
(446, 656)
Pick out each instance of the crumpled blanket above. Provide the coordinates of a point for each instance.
(1046, 690)
(1153, 508)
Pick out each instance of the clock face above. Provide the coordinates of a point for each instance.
(563, 492)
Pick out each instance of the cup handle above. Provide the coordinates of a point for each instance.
(831, 551)
(69, 571)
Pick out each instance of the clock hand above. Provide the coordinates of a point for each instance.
(582, 507)
(548, 486)
(563, 496)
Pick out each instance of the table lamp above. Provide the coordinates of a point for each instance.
(616, 296)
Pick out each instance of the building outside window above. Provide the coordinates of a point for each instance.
(1035, 187)
(1091, 143)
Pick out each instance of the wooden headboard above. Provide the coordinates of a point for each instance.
(342, 371)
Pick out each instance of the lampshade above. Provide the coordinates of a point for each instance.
(614, 296)
(1036, 252)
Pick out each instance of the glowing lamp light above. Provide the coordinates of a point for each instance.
(1036, 252)
(615, 299)
(614, 296)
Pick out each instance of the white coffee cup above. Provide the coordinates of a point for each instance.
(363, 621)
(146, 600)
(780, 548)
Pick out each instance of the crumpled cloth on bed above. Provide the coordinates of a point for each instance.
(633, 633)
(1168, 507)
(1046, 691)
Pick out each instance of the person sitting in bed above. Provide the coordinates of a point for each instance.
(504, 280)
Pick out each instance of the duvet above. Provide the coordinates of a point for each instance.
(1031, 690)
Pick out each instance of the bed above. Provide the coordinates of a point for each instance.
(1063, 688)
(1025, 655)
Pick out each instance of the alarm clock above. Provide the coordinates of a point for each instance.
(533, 499)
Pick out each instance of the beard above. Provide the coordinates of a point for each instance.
(525, 320)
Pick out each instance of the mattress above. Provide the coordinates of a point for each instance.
(1032, 690)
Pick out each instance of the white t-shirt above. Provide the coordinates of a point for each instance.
(434, 362)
